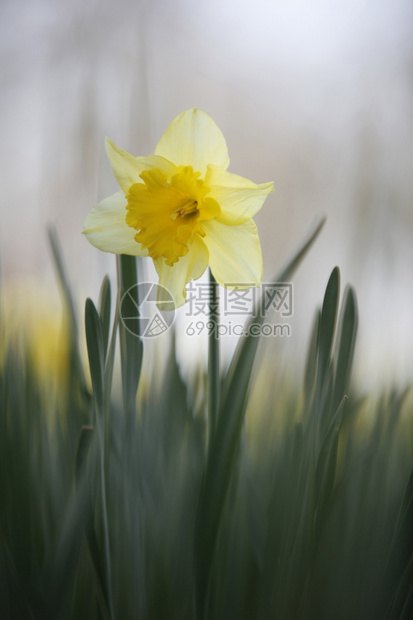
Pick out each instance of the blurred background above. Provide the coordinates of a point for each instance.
(317, 97)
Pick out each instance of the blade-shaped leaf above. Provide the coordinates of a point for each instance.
(131, 346)
(346, 344)
(94, 341)
(224, 443)
(104, 311)
(327, 326)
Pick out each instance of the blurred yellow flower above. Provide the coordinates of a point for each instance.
(37, 331)
(182, 208)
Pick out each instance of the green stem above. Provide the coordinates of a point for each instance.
(213, 357)
(131, 354)
(130, 345)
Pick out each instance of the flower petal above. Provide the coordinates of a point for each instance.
(239, 198)
(189, 267)
(105, 228)
(193, 139)
(127, 169)
(234, 253)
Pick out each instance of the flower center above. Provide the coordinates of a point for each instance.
(168, 213)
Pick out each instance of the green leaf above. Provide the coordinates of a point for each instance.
(76, 359)
(402, 602)
(63, 278)
(326, 464)
(346, 344)
(63, 564)
(131, 347)
(327, 326)
(104, 312)
(213, 358)
(94, 341)
(224, 443)
(82, 451)
(312, 360)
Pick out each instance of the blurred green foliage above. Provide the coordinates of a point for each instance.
(297, 504)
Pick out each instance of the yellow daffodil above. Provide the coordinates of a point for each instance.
(182, 208)
(37, 329)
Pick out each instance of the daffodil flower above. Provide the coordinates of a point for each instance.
(182, 208)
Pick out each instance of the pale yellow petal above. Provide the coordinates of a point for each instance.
(127, 169)
(234, 253)
(189, 267)
(239, 198)
(193, 139)
(105, 228)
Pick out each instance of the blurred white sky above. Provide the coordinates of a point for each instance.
(317, 97)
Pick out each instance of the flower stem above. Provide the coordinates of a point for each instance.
(131, 347)
(213, 357)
